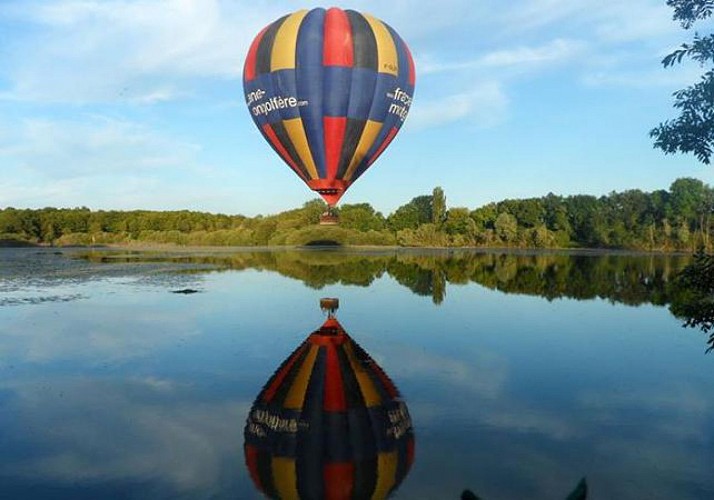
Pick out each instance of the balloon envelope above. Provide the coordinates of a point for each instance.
(329, 424)
(329, 90)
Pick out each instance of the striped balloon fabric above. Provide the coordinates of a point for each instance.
(329, 90)
(329, 424)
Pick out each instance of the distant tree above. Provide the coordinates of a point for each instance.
(691, 201)
(686, 195)
(311, 211)
(693, 130)
(10, 220)
(438, 206)
(528, 212)
(585, 218)
(485, 216)
(410, 216)
(361, 216)
(506, 227)
(264, 230)
(459, 221)
(540, 237)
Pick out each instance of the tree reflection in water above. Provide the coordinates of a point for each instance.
(630, 279)
(694, 302)
(623, 278)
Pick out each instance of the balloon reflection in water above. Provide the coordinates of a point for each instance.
(329, 424)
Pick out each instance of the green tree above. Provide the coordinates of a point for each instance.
(506, 227)
(362, 217)
(263, 231)
(686, 196)
(311, 211)
(528, 213)
(438, 206)
(691, 202)
(410, 216)
(555, 213)
(585, 218)
(693, 130)
(10, 221)
(485, 216)
(541, 238)
(459, 222)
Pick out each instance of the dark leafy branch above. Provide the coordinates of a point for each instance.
(688, 11)
(693, 131)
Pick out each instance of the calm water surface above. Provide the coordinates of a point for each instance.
(522, 373)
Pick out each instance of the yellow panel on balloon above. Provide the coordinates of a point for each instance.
(296, 132)
(283, 53)
(285, 478)
(386, 474)
(369, 134)
(386, 50)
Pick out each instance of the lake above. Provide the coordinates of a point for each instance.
(522, 373)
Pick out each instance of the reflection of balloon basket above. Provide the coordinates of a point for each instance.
(329, 305)
(329, 423)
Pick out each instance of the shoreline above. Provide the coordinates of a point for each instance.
(367, 249)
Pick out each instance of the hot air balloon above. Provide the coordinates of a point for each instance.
(329, 424)
(329, 90)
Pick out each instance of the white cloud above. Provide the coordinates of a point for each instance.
(184, 444)
(609, 20)
(64, 162)
(105, 162)
(92, 145)
(635, 20)
(103, 337)
(484, 375)
(522, 57)
(123, 50)
(659, 77)
(147, 51)
(557, 50)
(484, 105)
(531, 14)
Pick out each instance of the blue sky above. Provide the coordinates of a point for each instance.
(138, 104)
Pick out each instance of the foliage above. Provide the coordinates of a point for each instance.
(438, 206)
(506, 226)
(361, 217)
(459, 222)
(693, 130)
(627, 279)
(695, 302)
(665, 220)
(426, 235)
(336, 235)
(418, 211)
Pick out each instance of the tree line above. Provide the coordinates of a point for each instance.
(677, 219)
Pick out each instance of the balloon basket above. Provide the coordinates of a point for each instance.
(329, 218)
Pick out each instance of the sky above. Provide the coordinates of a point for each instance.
(138, 104)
